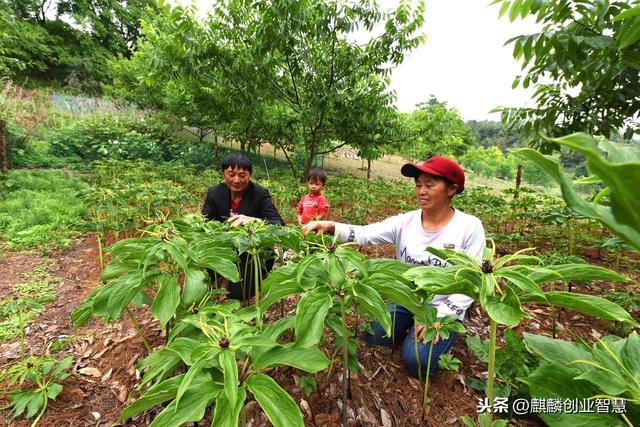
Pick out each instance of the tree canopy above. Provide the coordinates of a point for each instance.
(584, 65)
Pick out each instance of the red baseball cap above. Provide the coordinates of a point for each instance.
(438, 166)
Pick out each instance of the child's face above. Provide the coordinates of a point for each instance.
(315, 186)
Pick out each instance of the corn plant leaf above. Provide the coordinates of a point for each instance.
(192, 405)
(230, 373)
(311, 311)
(226, 415)
(167, 299)
(276, 403)
(588, 304)
(310, 359)
(195, 286)
(156, 394)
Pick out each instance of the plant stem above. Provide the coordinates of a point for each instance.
(139, 330)
(627, 420)
(425, 399)
(492, 366)
(415, 349)
(100, 256)
(256, 279)
(345, 363)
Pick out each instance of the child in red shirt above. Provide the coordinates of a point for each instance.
(314, 205)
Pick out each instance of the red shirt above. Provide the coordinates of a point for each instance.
(312, 206)
(234, 207)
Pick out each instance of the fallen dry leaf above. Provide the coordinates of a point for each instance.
(91, 372)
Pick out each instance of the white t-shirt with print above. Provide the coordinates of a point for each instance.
(463, 233)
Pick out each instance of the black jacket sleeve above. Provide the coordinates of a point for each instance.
(269, 212)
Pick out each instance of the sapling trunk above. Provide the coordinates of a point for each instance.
(345, 363)
(492, 366)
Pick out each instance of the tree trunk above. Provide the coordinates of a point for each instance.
(4, 150)
(518, 181)
(368, 168)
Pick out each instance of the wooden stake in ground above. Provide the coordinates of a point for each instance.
(4, 151)
(518, 181)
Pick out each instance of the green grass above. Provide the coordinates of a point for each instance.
(40, 210)
(39, 285)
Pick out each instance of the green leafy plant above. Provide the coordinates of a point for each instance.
(43, 373)
(226, 357)
(608, 369)
(449, 362)
(435, 329)
(331, 280)
(513, 361)
(171, 262)
(307, 384)
(501, 285)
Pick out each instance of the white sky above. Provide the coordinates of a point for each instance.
(463, 60)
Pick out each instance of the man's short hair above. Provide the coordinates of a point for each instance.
(317, 174)
(237, 160)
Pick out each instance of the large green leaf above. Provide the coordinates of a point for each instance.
(226, 415)
(505, 311)
(623, 215)
(310, 314)
(395, 292)
(160, 364)
(520, 280)
(279, 291)
(555, 381)
(223, 266)
(276, 403)
(569, 272)
(155, 395)
(195, 286)
(309, 359)
(192, 405)
(230, 372)
(167, 299)
(588, 304)
(370, 302)
(121, 292)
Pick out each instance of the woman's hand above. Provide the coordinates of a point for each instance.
(240, 219)
(420, 330)
(319, 227)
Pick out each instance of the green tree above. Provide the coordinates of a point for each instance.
(297, 57)
(584, 64)
(436, 130)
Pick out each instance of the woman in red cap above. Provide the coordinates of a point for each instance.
(437, 224)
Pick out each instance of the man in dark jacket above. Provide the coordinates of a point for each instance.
(240, 201)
